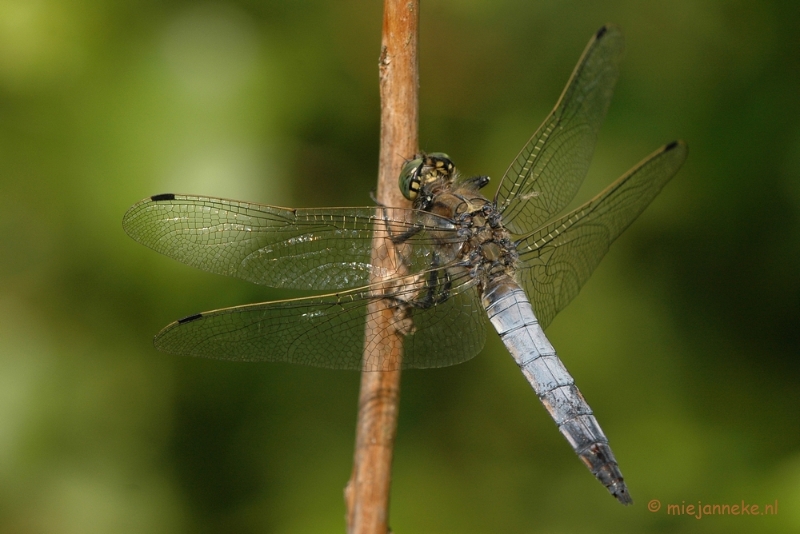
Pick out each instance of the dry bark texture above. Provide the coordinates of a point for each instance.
(367, 492)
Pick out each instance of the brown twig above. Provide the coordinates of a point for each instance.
(367, 491)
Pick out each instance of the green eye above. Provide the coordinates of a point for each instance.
(409, 178)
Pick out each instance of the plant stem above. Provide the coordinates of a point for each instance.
(367, 491)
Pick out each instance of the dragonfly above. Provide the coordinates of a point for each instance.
(452, 261)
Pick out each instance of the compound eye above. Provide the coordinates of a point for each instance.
(409, 178)
(441, 162)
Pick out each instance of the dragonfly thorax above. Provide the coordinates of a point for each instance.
(432, 182)
(488, 248)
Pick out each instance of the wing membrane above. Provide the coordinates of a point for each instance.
(326, 248)
(329, 330)
(558, 259)
(548, 171)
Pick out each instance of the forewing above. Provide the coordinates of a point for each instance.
(556, 260)
(325, 248)
(329, 331)
(549, 170)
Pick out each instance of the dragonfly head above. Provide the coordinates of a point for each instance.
(424, 169)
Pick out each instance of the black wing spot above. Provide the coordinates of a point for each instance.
(601, 32)
(190, 318)
(164, 196)
(670, 146)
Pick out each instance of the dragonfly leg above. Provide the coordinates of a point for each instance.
(405, 236)
(437, 290)
(476, 182)
(399, 240)
(374, 199)
(438, 287)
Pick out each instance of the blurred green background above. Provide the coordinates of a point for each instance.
(685, 341)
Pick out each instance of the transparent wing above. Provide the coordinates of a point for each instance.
(548, 171)
(555, 261)
(326, 248)
(329, 330)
